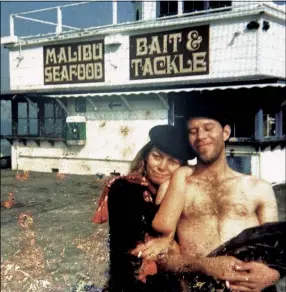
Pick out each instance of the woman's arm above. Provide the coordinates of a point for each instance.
(167, 217)
(172, 205)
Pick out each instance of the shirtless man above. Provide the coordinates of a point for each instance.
(208, 208)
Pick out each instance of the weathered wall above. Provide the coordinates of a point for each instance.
(273, 165)
(113, 139)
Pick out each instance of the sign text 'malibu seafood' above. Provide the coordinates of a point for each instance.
(74, 63)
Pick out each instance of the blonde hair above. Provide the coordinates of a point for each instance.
(138, 164)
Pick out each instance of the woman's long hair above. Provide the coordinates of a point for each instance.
(138, 164)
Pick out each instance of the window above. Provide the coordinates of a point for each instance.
(53, 121)
(168, 8)
(137, 15)
(243, 126)
(284, 120)
(6, 120)
(27, 124)
(80, 105)
(218, 4)
(44, 118)
(190, 6)
(269, 125)
(240, 163)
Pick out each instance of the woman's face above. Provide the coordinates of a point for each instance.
(160, 166)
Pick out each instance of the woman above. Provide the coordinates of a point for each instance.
(131, 209)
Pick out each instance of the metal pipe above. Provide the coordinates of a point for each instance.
(12, 29)
(156, 24)
(59, 27)
(45, 22)
(114, 12)
(180, 7)
(51, 8)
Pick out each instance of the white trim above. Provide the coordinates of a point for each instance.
(166, 91)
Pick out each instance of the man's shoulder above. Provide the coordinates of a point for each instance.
(260, 186)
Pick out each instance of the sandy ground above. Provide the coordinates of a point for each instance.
(60, 249)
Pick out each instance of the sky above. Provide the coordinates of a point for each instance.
(95, 13)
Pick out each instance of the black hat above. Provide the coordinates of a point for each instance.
(208, 107)
(172, 142)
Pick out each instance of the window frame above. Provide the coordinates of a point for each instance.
(168, 13)
(41, 133)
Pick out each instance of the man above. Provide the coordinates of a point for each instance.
(212, 206)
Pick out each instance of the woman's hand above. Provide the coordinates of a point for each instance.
(259, 276)
(154, 249)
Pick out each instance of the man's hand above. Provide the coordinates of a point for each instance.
(259, 276)
(154, 249)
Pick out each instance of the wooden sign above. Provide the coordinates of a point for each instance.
(182, 52)
(74, 63)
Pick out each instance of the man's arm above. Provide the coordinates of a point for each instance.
(267, 209)
(221, 267)
(260, 275)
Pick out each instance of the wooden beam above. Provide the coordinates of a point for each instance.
(164, 101)
(62, 105)
(126, 103)
(92, 103)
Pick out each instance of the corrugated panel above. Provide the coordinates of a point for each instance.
(165, 91)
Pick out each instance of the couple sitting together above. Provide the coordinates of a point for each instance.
(175, 227)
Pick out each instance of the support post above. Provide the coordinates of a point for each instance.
(62, 105)
(164, 101)
(59, 28)
(92, 103)
(12, 28)
(258, 135)
(114, 12)
(279, 124)
(126, 103)
(180, 7)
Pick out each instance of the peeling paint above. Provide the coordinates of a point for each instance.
(124, 130)
(102, 124)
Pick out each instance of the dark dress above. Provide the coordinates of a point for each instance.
(130, 217)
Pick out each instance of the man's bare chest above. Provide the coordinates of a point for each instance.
(217, 199)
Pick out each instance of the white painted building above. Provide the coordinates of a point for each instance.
(119, 80)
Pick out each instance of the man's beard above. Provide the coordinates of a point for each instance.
(210, 159)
